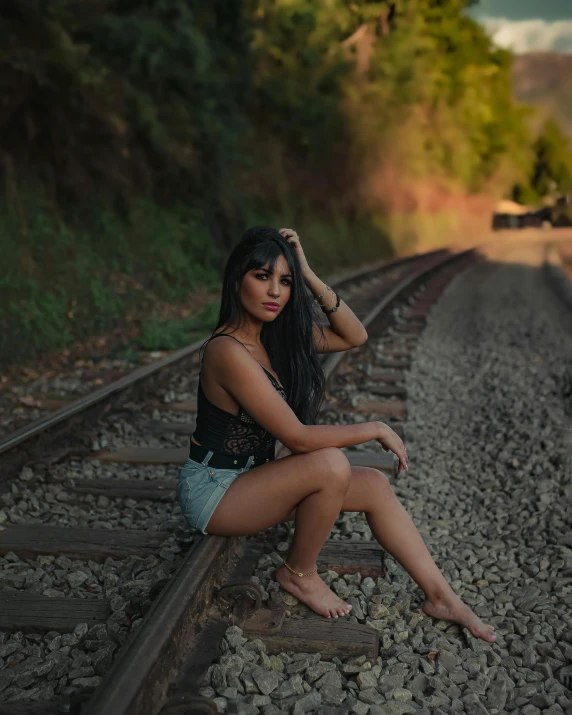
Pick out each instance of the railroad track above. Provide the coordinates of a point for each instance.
(170, 594)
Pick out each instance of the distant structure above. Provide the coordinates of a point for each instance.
(509, 214)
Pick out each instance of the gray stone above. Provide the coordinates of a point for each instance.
(479, 684)
(332, 695)
(377, 611)
(366, 680)
(387, 683)
(392, 707)
(92, 682)
(307, 703)
(287, 689)
(317, 670)
(331, 678)
(257, 700)
(240, 707)
(76, 578)
(231, 664)
(371, 697)
(402, 695)
(270, 710)
(299, 665)
(233, 637)
(473, 705)
(418, 685)
(266, 680)
(448, 661)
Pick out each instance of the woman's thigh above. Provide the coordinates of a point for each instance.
(368, 488)
(265, 495)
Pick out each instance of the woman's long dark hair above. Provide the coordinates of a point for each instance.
(288, 340)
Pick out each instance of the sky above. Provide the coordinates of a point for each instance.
(528, 25)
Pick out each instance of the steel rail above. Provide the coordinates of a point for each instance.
(138, 681)
(333, 361)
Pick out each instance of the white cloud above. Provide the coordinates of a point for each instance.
(530, 35)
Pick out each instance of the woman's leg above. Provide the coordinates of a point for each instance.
(371, 492)
(315, 484)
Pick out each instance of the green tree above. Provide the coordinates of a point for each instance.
(552, 170)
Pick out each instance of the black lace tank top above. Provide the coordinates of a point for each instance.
(235, 435)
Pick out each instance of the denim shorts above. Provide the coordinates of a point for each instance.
(201, 488)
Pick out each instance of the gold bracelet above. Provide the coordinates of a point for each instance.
(299, 573)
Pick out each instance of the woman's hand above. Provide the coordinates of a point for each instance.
(391, 441)
(292, 237)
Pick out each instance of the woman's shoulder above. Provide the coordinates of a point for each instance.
(224, 345)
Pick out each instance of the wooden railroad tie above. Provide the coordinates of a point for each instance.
(30, 540)
(389, 390)
(157, 455)
(349, 557)
(21, 611)
(158, 427)
(387, 408)
(29, 708)
(331, 638)
(387, 376)
(385, 363)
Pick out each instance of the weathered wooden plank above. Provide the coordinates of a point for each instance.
(347, 557)
(31, 613)
(31, 540)
(20, 708)
(385, 390)
(388, 408)
(189, 406)
(158, 427)
(157, 455)
(369, 458)
(46, 403)
(138, 489)
(331, 638)
(389, 364)
(387, 376)
(185, 406)
(144, 455)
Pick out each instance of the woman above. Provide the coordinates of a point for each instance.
(261, 380)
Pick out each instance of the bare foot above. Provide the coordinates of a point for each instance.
(312, 591)
(453, 609)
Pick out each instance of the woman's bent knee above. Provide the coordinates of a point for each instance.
(337, 470)
(382, 483)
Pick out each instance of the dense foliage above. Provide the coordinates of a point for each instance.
(141, 136)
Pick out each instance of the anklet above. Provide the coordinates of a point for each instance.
(299, 573)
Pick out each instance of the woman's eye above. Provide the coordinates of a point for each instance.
(284, 280)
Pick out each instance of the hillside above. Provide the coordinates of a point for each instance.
(544, 79)
(139, 139)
